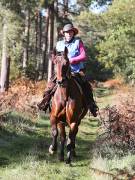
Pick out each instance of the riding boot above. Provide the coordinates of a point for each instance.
(91, 104)
(87, 90)
(44, 104)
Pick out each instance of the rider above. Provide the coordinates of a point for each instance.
(77, 57)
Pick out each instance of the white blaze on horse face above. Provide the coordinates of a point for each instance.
(59, 71)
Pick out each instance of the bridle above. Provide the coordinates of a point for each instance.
(62, 82)
(60, 58)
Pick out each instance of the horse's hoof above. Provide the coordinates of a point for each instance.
(51, 151)
(68, 161)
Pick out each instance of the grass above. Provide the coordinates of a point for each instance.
(24, 150)
(104, 96)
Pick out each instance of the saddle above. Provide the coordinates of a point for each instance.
(84, 87)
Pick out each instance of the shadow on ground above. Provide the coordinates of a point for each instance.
(20, 138)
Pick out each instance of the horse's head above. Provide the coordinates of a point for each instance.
(62, 67)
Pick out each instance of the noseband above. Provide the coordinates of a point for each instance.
(62, 82)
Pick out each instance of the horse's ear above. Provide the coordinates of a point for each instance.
(65, 51)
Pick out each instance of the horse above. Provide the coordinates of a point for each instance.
(68, 107)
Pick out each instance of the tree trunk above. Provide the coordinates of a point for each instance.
(51, 39)
(4, 79)
(39, 46)
(8, 73)
(57, 26)
(26, 39)
(65, 8)
(45, 45)
(36, 33)
(40, 33)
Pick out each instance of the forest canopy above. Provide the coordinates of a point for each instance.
(112, 34)
(109, 37)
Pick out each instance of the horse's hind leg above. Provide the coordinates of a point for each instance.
(54, 133)
(62, 140)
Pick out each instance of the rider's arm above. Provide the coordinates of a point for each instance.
(81, 57)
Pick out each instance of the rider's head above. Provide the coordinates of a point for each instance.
(69, 31)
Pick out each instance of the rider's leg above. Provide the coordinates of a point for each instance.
(49, 91)
(88, 92)
(89, 97)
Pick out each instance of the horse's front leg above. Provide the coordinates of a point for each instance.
(54, 133)
(71, 142)
(73, 152)
(62, 140)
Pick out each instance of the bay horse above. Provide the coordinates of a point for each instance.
(68, 107)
